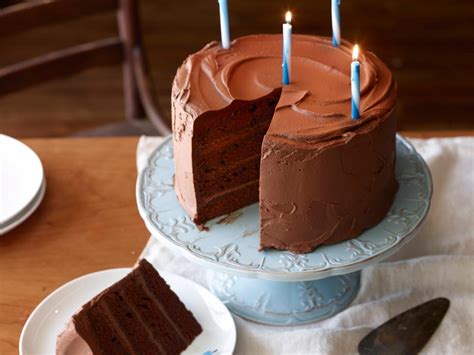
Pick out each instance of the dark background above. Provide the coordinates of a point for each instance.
(429, 46)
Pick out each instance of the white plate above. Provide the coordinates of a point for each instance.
(50, 317)
(25, 213)
(21, 177)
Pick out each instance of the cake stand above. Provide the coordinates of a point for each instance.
(280, 287)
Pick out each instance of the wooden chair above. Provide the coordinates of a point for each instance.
(125, 49)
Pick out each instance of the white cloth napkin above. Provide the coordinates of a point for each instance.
(439, 261)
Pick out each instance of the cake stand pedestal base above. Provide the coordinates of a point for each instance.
(285, 303)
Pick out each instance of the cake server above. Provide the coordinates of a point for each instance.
(408, 332)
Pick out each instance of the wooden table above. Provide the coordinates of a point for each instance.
(87, 222)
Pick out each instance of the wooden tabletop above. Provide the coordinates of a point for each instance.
(88, 221)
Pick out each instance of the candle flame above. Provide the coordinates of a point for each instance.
(288, 17)
(355, 52)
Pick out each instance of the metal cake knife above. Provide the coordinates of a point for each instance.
(406, 333)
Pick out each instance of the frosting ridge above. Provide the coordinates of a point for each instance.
(309, 109)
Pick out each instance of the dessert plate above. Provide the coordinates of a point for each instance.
(24, 213)
(21, 180)
(51, 315)
(230, 244)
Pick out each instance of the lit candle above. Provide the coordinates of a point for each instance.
(355, 83)
(287, 49)
(336, 22)
(224, 15)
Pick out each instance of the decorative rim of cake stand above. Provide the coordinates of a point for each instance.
(231, 242)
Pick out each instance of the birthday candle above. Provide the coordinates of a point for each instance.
(224, 17)
(336, 22)
(287, 49)
(355, 83)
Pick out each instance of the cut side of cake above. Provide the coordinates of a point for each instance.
(227, 158)
(140, 314)
(241, 137)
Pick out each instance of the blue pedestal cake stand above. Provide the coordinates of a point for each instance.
(279, 287)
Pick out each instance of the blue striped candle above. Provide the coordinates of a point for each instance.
(336, 22)
(286, 66)
(355, 83)
(224, 17)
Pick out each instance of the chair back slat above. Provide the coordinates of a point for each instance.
(60, 64)
(111, 51)
(146, 92)
(28, 15)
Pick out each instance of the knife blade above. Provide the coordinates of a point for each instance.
(406, 333)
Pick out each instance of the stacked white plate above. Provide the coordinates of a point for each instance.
(22, 182)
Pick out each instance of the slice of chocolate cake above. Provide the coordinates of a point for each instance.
(140, 314)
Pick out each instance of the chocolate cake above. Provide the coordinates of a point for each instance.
(140, 314)
(241, 137)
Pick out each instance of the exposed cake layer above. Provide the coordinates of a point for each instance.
(225, 202)
(308, 195)
(230, 178)
(137, 315)
(224, 158)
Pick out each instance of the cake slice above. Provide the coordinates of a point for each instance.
(139, 314)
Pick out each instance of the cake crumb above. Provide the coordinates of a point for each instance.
(231, 217)
(248, 233)
(202, 227)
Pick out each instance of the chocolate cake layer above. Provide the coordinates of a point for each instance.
(323, 176)
(225, 157)
(225, 202)
(137, 315)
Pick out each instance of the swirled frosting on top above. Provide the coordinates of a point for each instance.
(315, 107)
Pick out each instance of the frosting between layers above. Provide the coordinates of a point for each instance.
(314, 108)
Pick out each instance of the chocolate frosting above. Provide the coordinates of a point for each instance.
(314, 108)
(71, 343)
(324, 177)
